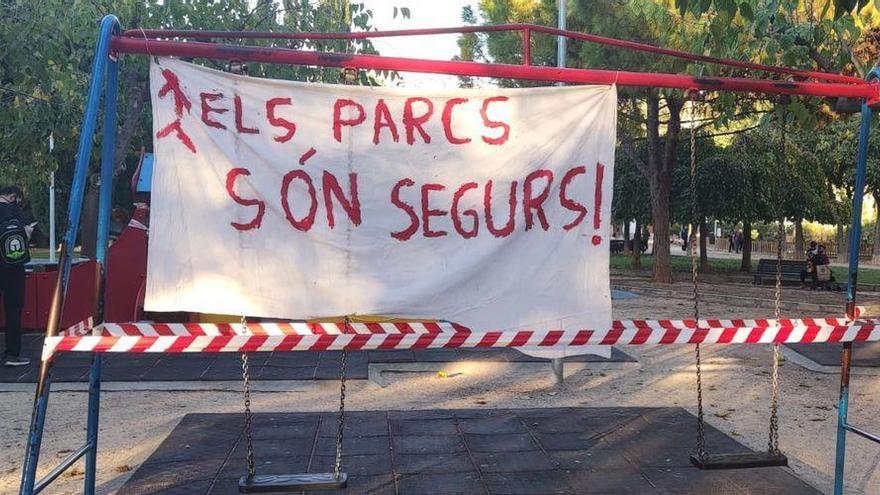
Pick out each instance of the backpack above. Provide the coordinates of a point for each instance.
(13, 242)
(823, 273)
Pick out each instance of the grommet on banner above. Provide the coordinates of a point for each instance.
(349, 75)
(237, 67)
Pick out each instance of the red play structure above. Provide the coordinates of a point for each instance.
(126, 276)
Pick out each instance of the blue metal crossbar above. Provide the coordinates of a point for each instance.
(862, 433)
(65, 464)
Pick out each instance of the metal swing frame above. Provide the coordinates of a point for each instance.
(104, 80)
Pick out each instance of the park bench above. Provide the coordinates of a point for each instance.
(791, 270)
(618, 246)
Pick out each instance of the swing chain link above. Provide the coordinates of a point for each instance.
(692, 239)
(340, 421)
(248, 416)
(773, 440)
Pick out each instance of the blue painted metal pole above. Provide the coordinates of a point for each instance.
(105, 203)
(92, 428)
(109, 25)
(38, 418)
(852, 285)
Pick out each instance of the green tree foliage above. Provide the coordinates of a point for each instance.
(815, 35)
(837, 8)
(46, 52)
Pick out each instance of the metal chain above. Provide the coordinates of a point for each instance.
(701, 423)
(248, 416)
(773, 441)
(773, 435)
(350, 76)
(340, 424)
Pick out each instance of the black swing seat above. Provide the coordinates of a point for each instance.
(269, 483)
(742, 460)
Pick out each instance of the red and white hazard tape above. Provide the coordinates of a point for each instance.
(148, 329)
(180, 338)
(286, 328)
(82, 328)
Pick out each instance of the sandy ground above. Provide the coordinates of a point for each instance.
(134, 422)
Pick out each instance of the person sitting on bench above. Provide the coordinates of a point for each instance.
(810, 268)
(821, 268)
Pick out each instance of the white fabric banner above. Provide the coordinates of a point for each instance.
(489, 208)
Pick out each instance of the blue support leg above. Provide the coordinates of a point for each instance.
(92, 428)
(109, 25)
(105, 203)
(852, 279)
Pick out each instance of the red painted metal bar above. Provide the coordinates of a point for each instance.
(871, 92)
(527, 46)
(593, 38)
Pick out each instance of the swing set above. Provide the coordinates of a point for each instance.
(352, 335)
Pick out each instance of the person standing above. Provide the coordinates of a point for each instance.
(738, 241)
(14, 254)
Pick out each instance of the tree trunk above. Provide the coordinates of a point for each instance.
(746, 265)
(659, 172)
(635, 260)
(875, 254)
(842, 244)
(704, 256)
(626, 237)
(799, 247)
